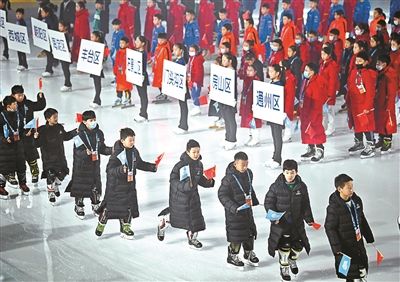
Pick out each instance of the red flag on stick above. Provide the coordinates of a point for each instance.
(40, 84)
(379, 256)
(158, 159)
(210, 173)
(316, 226)
(78, 118)
(203, 100)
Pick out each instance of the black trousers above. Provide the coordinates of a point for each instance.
(22, 59)
(368, 135)
(248, 245)
(276, 131)
(103, 217)
(5, 51)
(144, 100)
(97, 88)
(228, 114)
(67, 73)
(50, 61)
(183, 121)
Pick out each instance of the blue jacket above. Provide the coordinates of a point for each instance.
(332, 11)
(116, 37)
(154, 37)
(394, 7)
(218, 28)
(361, 12)
(285, 13)
(313, 20)
(248, 5)
(266, 27)
(192, 34)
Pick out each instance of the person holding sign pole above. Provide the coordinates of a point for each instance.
(52, 23)
(345, 227)
(63, 27)
(288, 195)
(22, 63)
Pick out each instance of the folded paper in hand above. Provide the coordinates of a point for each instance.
(273, 215)
(184, 172)
(243, 207)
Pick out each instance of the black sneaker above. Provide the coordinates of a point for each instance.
(52, 199)
(251, 258)
(358, 146)
(309, 154)
(80, 212)
(233, 260)
(386, 145)
(318, 156)
(192, 240)
(369, 150)
(285, 274)
(293, 266)
(379, 144)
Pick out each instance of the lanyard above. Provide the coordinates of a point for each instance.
(240, 185)
(359, 80)
(191, 59)
(130, 167)
(88, 140)
(9, 125)
(354, 218)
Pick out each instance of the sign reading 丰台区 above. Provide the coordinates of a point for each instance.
(174, 80)
(40, 34)
(134, 65)
(222, 85)
(3, 20)
(90, 57)
(268, 102)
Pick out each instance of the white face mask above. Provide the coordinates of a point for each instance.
(246, 48)
(223, 51)
(298, 41)
(379, 67)
(92, 125)
(394, 49)
(331, 37)
(306, 74)
(357, 32)
(396, 22)
(274, 48)
(192, 53)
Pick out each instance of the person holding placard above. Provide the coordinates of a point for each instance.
(122, 85)
(22, 63)
(288, 194)
(345, 227)
(3, 4)
(52, 23)
(62, 27)
(237, 195)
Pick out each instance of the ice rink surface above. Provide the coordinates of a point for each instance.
(39, 242)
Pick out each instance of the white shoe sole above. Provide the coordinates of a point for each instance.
(3, 197)
(241, 268)
(248, 262)
(80, 217)
(127, 237)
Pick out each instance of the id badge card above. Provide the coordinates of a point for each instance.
(130, 176)
(95, 156)
(358, 234)
(249, 201)
(16, 136)
(361, 88)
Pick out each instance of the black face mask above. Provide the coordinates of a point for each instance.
(359, 66)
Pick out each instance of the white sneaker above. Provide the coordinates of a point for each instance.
(253, 142)
(195, 111)
(229, 145)
(94, 105)
(272, 164)
(47, 74)
(220, 123)
(179, 131)
(248, 140)
(287, 135)
(139, 118)
(20, 68)
(66, 89)
(117, 101)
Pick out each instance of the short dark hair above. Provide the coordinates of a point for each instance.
(314, 67)
(192, 144)
(88, 115)
(241, 156)
(250, 20)
(126, 132)
(279, 41)
(249, 57)
(351, 40)
(363, 55)
(339, 12)
(190, 11)
(342, 179)
(63, 23)
(223, 11)
(8, 100)
(228, 26)
(81, 4)
(17, 89)
(265, 5)
(290, 165)
(116, 22)
(125, 39)
(162, 35)
(20, 10)
(46, 9)
(250, 42)
(334, 31)
(289, 16)
(287, 1)
(49, 112)
(384, 59)
(158, 16)
(227, 44)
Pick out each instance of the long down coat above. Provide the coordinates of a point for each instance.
(296, 204)
(184, 199)
(239, 225)
(341, 235)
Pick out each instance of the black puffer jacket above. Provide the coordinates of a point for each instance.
(239, 225)
(341, 234)
(51, 143)
(26, 109)
(184, 199)
(85, 172)
(11, 154)
(296, 203)
(120, 196)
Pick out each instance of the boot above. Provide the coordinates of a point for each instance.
(318, 156)
(51, 194)
(293, 266)
(379, 144)
(192, 240)
(234, 260)
(126, 231)
(34, 171)
(3, 193)
(80, 212)
(358, 146)
(309, 154)
(161, 228)
(284, 263)
(386, 145)
(285, 274)
(24, 189)
(99, 229)
(251, 258)
(369, 150)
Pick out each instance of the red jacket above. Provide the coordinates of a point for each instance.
(120, 71)
(206, 25)
(312, 129)
(127, 14)
(288, 35)
(373, 24)
(304, 49)
(246, 104)
(324, 7)
(195, 69)
(232, 7)
(385, 112)
(361, 105)
(395, 63)
(81, 31)
(148, 24)
(315, 52)
(338, 49)
(290, 93)
(341, 25)
(329, 70)
(298, 9)
(363, 37)
(175, 22)
(276, 57)
(349, 6)
(252, 34)
(163, 51)
(229, 37)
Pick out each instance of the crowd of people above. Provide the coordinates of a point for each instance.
(337, 51)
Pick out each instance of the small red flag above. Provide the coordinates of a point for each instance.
(158, 159)
(40, 84)
(78, 118)
(203, 100)
(316, 226)
(210, 173)
(379, 257)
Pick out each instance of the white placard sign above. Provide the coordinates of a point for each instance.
(268, 102)
(3, 20)
(59, 46)
(40, 34)
(134, 65)
(174, 80)
(90, 57)
(222, 85)
(17, 37)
